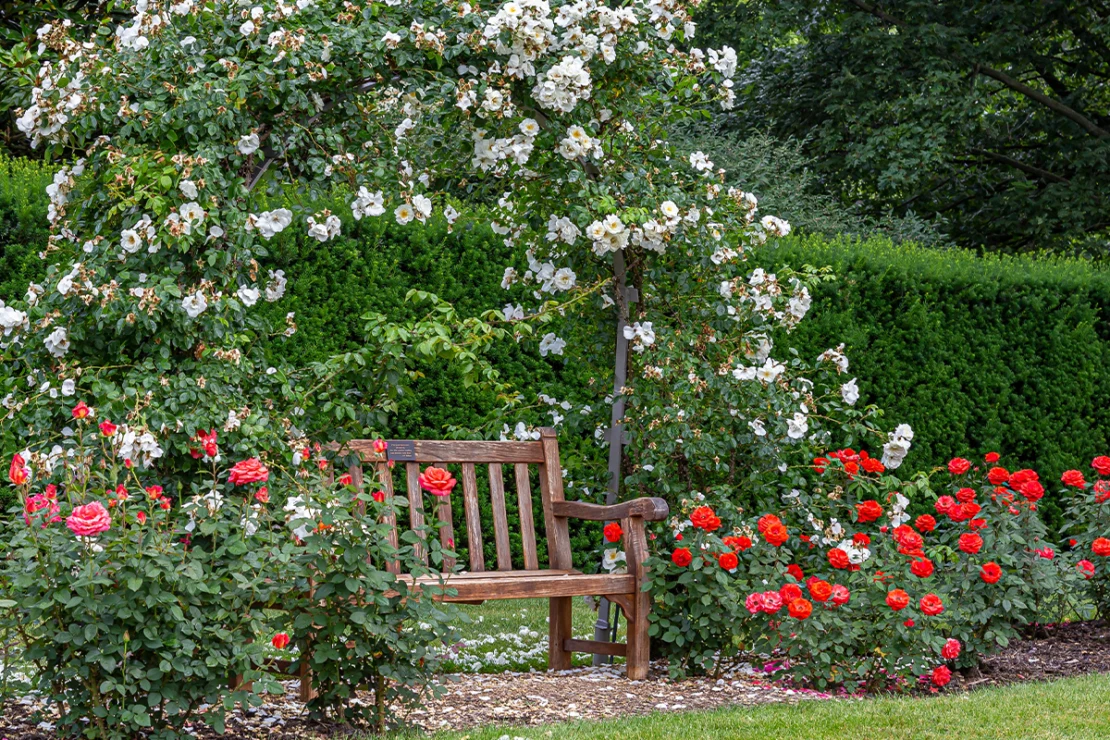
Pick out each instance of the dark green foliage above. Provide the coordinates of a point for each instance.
(976, 354)
(23, 225)
(987, 117)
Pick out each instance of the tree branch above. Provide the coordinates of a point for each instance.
(1018, 164)
(1015, 85)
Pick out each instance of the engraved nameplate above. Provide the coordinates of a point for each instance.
(402, 450)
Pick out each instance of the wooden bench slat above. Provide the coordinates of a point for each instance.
(385, 476)
(527, 520)
(416, 504)
(500, 517)
(596, 647)
(450, 451)
(473, 517)
(540, 585)
(446, 531)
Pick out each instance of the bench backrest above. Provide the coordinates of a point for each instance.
(410, 457)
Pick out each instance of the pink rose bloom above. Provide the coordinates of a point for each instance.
(754, 603)
(772, 601)
(249, 471)
(89, 520)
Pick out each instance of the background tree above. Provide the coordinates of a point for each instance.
(988, 118)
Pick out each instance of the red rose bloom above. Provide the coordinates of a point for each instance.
(909, 623)
(437, 481)
(18, 472)
(280, 640)
(738, 544)
(789, 592)
(1023, 476)
(998, 476)
(1101, 464)
(107, 428)
(838, 558)
(965, 495)
(925, 523)
(931, 604)
(859, 539)
(346, 479)
(1102, 491)
(820, 590)
(681, 557)
(81, 410)
(704, 518)
(1101, 546)
(728, 561)
(977, 524)
(991, 457)
(1032, 490)
(971, 543)
(868, 511)
(922, 568)
(248, 471)
(908, 538)
(1073, 478)
(799, 608)
(941, 675)
(1046, 552)
(1086, 567)
(898, 599)
(944, 504)
(951, 649)
(871, 464)
(776, 534)
(612, 532)
(263, 495)
(796, 571)
(958, 466)
(820, 464)
(840, 595)
(766, 522)
(990, 573)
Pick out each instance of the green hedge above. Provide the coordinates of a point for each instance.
(975, 353)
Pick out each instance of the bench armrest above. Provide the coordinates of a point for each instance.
(648, 509)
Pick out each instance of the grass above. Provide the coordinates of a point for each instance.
(1069, 708)
(512, 635)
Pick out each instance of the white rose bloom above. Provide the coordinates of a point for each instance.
(770, 371)
(188, 188)
(757, 427)
(797, 427)
(367, 204)
(248, 143)
(423, 206)
(248, 295)
(564, 279)
(276, 287)
(57, 343)
(508, 278)
(551, 344)
(69, 387)
(195, 304)
(192, 213)
(512, 313)
(247, 29)
(404, 214)
(11, 319)
(669, 209)
(850, 392)
(130, 241)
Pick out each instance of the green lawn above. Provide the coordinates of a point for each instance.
(512, 635)
(1071, 708)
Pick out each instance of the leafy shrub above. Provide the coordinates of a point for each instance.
(1087, 526)
(142, 614)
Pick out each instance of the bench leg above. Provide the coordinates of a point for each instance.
(639, 645)
(559, 629)
(305, 674)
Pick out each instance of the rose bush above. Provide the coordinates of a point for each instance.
(1087, 527)
(141, 614)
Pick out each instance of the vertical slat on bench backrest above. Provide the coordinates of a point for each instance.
(551, 489)
(416, 504)
(386, 478)
(473, 518)
(527, 521)
(446, 531)
(500, 518)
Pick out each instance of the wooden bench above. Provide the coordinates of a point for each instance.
(559, 582)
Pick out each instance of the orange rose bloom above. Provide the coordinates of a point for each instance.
(800, 608)
(898, 599)
(820, 590)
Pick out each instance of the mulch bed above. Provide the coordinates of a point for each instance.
(541, 698)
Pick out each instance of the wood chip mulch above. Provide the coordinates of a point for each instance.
(542, 698)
